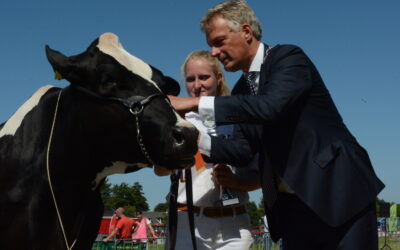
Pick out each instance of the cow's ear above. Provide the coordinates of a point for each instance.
(167, 84)
(58, 61)
(62, 66)
(171, 87)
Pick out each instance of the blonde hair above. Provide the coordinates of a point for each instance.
(223, 88)
(237, 13)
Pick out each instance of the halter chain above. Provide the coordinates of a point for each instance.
(141, 143)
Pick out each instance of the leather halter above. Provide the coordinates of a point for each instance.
(135, 104)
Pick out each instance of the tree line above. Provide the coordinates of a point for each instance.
(128, 196)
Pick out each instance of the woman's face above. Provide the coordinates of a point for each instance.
(200, 79)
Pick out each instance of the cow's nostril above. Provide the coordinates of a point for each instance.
(185, 140)
(178, 135)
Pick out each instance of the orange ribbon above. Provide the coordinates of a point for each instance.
(199, 162)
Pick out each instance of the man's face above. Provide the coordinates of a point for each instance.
(229, 46)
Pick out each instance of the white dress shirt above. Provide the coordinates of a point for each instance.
(206, 103)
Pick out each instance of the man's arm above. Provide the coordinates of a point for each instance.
(112, 234)
(237, 150)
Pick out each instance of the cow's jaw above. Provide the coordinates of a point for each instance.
(116, 167)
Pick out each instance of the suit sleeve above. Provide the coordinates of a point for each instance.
(288, 81)
(236, 150)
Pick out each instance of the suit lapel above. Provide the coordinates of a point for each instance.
(264, 72)
(241, 87)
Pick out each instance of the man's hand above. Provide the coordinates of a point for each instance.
(184, 104)
(240, 180)
(224, 176)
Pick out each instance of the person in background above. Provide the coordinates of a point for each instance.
(140, 230)
(318, 183)
(218, 226)
(113, 223)
(124, 226)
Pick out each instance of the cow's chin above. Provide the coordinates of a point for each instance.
(180, 163)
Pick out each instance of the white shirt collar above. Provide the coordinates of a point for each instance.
(258, 59)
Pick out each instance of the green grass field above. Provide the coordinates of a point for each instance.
(391, 243)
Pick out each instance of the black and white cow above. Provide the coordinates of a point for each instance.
(56, 150)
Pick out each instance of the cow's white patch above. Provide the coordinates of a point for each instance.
(117, 167)
(16, 119)
(110, 45)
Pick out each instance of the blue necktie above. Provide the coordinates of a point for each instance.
(251, 81)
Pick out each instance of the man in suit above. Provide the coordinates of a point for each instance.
(318, 183)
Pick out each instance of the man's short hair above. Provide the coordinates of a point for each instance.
(237, 13)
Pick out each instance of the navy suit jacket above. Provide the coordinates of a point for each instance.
(295, 126)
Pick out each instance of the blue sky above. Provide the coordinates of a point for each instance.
(354, 44)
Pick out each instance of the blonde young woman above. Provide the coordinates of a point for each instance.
(217, 226)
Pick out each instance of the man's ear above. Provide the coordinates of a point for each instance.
(248, 32)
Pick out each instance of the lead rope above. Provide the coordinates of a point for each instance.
(49, 178)
(173, 210)
(175, 176)
(189, 202)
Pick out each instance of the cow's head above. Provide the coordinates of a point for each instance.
(106, 70)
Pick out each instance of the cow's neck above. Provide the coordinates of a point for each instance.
(69, 168)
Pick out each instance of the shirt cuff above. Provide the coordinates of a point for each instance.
(205, 144)
(206, 108)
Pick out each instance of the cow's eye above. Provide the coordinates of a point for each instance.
(112, 85)
(108, 87)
